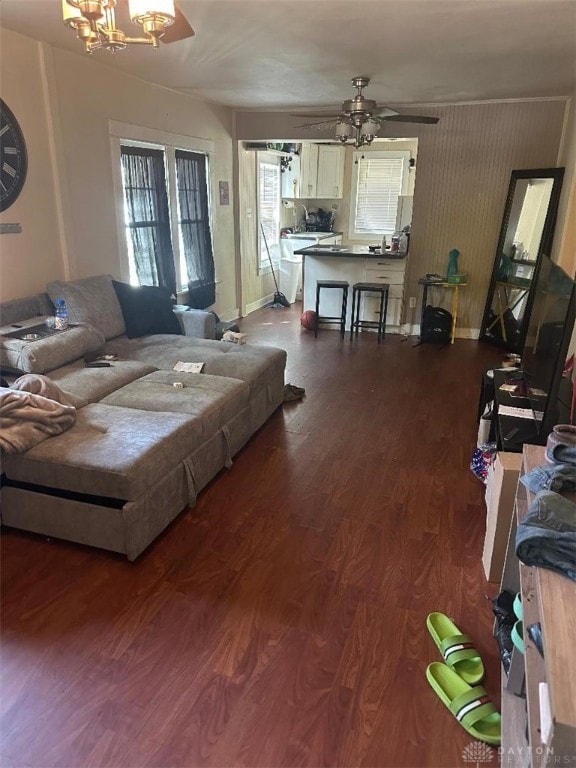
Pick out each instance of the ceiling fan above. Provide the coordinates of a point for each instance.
(360, 119)
(94, 22)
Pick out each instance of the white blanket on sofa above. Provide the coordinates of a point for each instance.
(27, 419)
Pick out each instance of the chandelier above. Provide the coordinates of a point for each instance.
(94, 22)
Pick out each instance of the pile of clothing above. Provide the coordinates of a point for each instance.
(546, 536)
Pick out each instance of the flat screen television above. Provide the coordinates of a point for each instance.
(550, 329)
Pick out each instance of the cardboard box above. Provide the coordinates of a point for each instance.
(500, 494)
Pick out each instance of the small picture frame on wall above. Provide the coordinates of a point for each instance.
(224, 190)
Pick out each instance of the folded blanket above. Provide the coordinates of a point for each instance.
(27, 419)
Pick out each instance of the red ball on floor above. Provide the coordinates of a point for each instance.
(308, 319)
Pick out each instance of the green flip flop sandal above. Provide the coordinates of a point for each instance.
(470, 705)
(457, 649)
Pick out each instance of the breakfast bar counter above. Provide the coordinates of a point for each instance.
(355, 264)
(347, 251)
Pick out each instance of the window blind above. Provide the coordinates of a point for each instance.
(269, 208)
(379, 185)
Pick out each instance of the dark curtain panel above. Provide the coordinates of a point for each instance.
(195, 227)
(146, 198)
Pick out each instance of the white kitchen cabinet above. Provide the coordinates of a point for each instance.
(392, 272)
(308, 170)
(330, 171)
(291, 178)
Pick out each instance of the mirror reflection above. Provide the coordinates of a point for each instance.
(526, 234)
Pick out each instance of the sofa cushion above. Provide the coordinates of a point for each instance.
(91, 300)
(51, 351)
(113, 452)
(146, 309)
(254, 365)
(38, 306)
(215, 400)
(89, 385)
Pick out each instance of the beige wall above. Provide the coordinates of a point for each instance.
(30, 259)
(84, 95)
(463, 171)
(564, 248)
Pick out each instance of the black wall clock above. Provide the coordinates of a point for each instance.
(13, 159)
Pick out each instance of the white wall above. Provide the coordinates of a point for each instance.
(84, 96)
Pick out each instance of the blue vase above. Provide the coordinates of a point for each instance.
(453, 262)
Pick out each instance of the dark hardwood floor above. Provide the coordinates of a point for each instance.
(282, 621)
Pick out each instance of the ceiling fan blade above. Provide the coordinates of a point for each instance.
(319, 126)
(313, 115)
(411, 119)
(385, 112)
(180, 30)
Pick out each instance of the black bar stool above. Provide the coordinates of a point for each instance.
(341, 285)
(357, 290)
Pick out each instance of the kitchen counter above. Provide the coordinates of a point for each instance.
(354, 264)
(311, 235)
(346, 251)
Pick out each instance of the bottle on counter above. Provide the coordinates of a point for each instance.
(403, 243)
(61, 315)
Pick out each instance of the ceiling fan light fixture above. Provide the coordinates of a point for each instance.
(344, 130)
(360, 119)
(369, 129)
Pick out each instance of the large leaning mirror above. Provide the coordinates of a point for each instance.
(526, 233)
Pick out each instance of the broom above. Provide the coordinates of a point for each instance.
(279, 299)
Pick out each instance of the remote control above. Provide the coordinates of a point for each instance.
(97, 365)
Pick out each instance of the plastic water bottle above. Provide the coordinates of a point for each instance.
(61, 315)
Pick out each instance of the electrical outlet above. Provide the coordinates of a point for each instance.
(412, 302)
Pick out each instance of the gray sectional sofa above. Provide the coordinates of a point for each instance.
(141, 449)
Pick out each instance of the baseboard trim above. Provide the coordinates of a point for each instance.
(461, 333)
(230, 315)
(254, 305)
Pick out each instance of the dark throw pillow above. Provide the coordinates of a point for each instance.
(147, 309)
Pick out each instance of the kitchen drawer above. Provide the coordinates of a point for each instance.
(394, 292)
(384, 275)
(371, 310)
(390, 265)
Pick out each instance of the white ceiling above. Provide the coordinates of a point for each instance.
(273, 54)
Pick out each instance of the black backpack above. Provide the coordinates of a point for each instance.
(436, 325)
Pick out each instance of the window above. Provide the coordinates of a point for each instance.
(268, 208)
(167, 218)
(380, 178)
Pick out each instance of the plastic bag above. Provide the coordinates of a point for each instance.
(482, 459)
